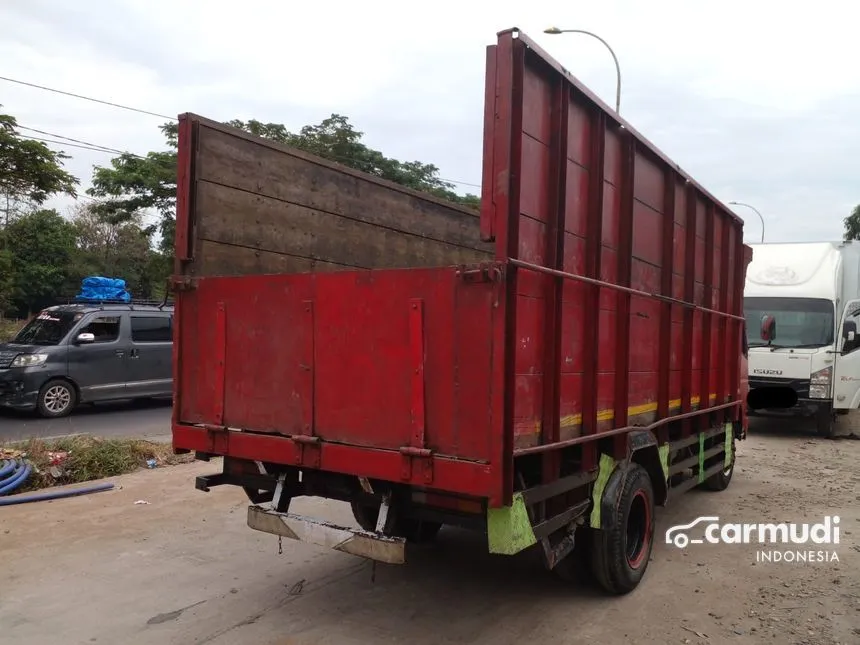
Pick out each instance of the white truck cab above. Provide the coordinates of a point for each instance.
(802, 309)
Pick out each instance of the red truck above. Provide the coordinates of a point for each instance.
(546, 371)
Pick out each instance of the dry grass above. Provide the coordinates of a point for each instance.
(8, 328)
(88, 458)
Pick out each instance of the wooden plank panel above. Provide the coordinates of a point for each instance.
(216, 259)
(263, 168)
(262, 223)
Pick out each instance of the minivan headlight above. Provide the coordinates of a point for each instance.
(29, 360)
(819, 387)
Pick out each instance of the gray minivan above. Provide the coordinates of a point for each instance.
(86, 353)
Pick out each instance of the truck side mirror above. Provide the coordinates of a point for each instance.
(768, 328)
(849, 336)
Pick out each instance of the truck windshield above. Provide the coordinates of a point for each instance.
(48, 328)
(800, 322)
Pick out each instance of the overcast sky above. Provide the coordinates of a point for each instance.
(757, 100)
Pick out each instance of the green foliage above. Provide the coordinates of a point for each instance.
(132, 183)
(41, 245)
(117, 247)
(30, 172)
(7, 276)
(852, 225)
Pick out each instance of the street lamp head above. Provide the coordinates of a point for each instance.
(553, 30)
(734, 203)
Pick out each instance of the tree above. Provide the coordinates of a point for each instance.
(852, 224)
(41, 245)
(116, 247)
(133, 183)
(30, 172)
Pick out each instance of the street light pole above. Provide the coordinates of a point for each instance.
(755, 210)
(556, 30)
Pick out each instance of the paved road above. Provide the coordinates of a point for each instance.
(150, 419)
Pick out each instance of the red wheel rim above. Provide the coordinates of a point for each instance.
(638, 533)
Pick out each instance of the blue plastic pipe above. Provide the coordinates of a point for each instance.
(20, 476)
(17, 467)
(54, 494)
(7, 467)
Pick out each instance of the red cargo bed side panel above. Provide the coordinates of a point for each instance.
(577, 190)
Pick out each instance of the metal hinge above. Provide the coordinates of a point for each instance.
(416, 461)
(183, 283)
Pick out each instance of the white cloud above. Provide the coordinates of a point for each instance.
(756, 100)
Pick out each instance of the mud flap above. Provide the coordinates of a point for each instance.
(663, 451)
(730, 444)
(605, 470)
(509, 529)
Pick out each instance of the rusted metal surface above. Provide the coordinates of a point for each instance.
(372, 331)
(365, 544)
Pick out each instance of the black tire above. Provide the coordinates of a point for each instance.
(825, 423)
(57, 398)
(416, 531)
(721, 480)
(622, 547)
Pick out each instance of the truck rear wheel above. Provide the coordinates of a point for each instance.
(413, 530)
(622, 547)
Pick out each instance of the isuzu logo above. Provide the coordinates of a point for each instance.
(768, 372)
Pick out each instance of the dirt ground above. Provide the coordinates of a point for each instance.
(185, 569)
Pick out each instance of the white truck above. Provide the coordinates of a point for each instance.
(802, 308)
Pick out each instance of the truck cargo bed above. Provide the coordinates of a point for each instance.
(333, 321)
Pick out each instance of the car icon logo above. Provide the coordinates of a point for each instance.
(677, 534)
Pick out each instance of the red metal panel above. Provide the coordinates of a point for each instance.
(666, 272)
(451, 475)
(336, 353)
(416, 350)
(489, 183)
(557, 134)
(592, 323)
(219, 350)
(625, 250)
(688, 351)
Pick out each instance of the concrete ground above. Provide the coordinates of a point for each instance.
(185, 569)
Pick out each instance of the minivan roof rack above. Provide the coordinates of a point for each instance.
(116, 301)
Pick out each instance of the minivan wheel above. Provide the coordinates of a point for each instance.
(57, 398)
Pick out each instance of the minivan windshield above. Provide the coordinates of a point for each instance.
(48, 328)
(800, 322)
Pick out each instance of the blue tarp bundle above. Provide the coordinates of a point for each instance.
(97, 288)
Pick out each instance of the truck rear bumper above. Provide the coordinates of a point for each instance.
(365, 544)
